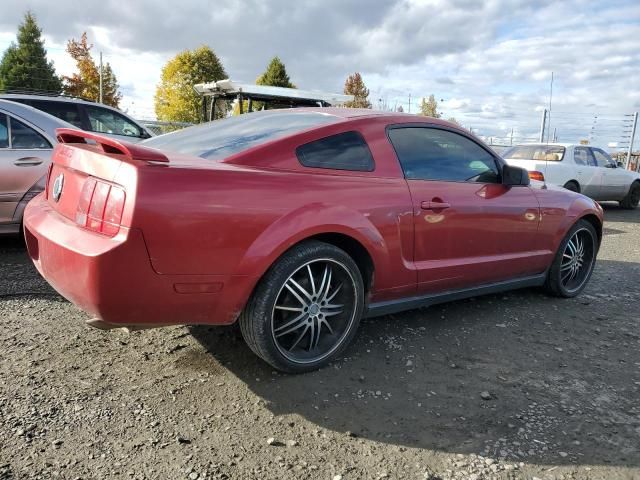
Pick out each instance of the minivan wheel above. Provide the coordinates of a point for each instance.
(632, 199)
(574, 261)
(306, 309)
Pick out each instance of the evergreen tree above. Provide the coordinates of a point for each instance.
(24, 66)
(86, 82)
(354, 85)
(275, 75)
(175, 99)
(429, 107)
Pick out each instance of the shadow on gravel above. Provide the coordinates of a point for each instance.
(521, 375)
(613, 213)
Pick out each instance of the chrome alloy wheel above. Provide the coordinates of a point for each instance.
(577, 260)
(314, 311)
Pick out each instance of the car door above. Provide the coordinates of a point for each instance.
(615, 181)
(469, 229)
(24, 158)
(587, 171)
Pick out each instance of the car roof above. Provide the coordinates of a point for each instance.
(355, 113)
(54, 98)
(45, 122)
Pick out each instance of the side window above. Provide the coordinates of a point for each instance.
(4, 131)
(602, 159)
(66, 111)
(26, 138)
(103, 120)
(583, 156)
(344, 151)
(434, 154)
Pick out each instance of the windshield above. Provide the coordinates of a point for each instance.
(221, 138)
(551, 153)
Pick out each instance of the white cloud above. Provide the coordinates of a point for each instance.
(489, 62)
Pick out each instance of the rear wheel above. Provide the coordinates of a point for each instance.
(574, 261)
(306, 309)
(632, 199)
(572, 186)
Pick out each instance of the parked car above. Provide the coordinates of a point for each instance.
(27, 137)
(297, 223)
(579, 168)
(87, 115)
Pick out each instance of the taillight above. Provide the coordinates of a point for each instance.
(100, 207)
(46, 185)
(534, 175)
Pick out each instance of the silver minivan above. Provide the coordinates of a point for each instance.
(27, 138)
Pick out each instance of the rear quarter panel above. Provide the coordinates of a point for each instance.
(237, 220)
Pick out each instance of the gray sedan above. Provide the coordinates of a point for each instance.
(27, 137)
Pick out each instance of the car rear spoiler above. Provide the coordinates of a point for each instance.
(130, 151)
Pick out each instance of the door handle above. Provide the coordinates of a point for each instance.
(434, 205)
(27, 161)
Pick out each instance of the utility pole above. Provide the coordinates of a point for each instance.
(409, 103)
(511, 141)
(550, 98)
(630, 151)
(543, 123)
(555, 137)
(100, 94)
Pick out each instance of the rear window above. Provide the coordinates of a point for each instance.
(222, 138)
(345, 151)
(549, 153)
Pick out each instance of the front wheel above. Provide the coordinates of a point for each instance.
(632, 199)
(574, 261)
(306, 309)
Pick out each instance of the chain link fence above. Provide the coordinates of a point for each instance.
(158, 128)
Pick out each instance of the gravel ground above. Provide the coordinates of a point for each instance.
(508, 386)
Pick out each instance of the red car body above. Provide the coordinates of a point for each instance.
(194, 237)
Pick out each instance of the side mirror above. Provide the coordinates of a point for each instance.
(514, 176)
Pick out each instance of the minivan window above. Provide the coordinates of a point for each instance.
(344, 151)
(222, 138)
(104, 120)
(26, 138)
(4, 132)
(66, 111)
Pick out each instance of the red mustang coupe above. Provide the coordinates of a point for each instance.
(297, 223)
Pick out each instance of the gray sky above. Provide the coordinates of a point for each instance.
(490, 62)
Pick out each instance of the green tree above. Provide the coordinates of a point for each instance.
(454, 121)
(86, 82)
(429, 107)
(275, 75)
(24, 66)
(175, 99)
(354, 85)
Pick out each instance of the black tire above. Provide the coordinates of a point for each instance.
(632, 199)
(570, 272)
(572, 186)
(277, 315)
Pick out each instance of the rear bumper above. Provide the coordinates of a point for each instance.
(112, 278)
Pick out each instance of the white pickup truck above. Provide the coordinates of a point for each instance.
(580, 168)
